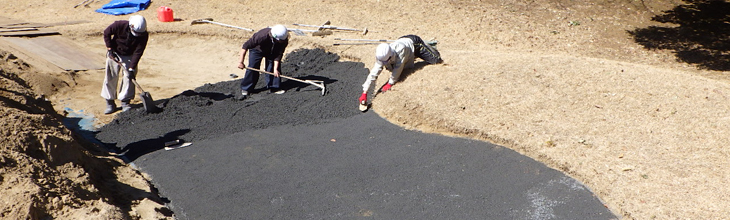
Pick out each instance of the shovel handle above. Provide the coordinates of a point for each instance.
(364, 40)
(210, 21)
(124, 67)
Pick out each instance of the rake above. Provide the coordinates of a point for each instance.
(317, 83)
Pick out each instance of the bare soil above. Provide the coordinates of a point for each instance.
(629, 97)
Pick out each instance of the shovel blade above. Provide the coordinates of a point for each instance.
(200, 21)
(149, 104)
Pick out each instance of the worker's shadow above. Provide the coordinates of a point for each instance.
(136, 149)
(698, 33)
(217, 96)
(300, 86)
(409, 71)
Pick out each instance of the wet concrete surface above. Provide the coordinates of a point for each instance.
(301, 155)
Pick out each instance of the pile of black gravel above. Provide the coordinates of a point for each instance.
(214, 110)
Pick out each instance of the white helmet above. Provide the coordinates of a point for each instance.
(279, 32)
(137, 24)
(383, 53)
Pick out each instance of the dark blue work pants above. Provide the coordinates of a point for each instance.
(252, 77)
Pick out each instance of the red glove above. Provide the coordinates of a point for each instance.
(364, 99)
(386, 87)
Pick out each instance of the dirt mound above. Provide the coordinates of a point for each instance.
(43, 164)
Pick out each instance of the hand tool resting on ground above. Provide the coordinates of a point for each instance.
(317, 83)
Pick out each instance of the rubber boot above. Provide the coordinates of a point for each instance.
(110, 107)
(126, 106)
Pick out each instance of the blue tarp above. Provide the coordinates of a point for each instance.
(123, 7)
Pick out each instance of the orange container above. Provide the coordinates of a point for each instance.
(164, 14)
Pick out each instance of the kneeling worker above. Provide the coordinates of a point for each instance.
(394, 57)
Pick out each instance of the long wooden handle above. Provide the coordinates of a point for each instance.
(137, 84)
(124, 67)
(282, 76)
(319, 84)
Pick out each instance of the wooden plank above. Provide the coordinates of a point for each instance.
(37, 51)
(38, 32)
(14, 27)
(59, 51)
(73, 51)
(21, 25)
(41, 25)
(14, 30)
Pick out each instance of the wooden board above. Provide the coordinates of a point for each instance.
(58, 50)
(39, 25)
(19, 29)
(37, 32)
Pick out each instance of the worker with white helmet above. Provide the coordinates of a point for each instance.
(268, 43)
(395, 57)
(125, 42)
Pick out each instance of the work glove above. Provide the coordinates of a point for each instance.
(364, 99)
(112, 55)
(386, 87)
(132, 73)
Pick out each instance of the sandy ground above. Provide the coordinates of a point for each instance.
(598, 90)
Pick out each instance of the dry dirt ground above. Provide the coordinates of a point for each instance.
(631, 98)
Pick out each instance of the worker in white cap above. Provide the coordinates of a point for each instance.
(395, 57)
(125, 42)
(268, 43)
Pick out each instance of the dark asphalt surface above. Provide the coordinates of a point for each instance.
(305, 156)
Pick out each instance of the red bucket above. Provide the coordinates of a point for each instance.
(164, 14)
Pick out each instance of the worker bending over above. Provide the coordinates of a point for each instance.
(396, 56)
(268, 43)
(125, 43)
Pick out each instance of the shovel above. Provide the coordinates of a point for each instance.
(327, 26)
(317, 83)
(147, 101)
(210, 21)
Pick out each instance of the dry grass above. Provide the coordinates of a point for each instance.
(560, 81)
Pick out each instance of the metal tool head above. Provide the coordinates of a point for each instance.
(200, 21)
(148, 103)
(320, 84)
(324, 90)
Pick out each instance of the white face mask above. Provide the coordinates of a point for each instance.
(131, 29)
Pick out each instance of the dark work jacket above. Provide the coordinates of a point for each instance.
(119, 37)
(264, 42)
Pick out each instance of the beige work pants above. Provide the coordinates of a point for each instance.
(111, 79)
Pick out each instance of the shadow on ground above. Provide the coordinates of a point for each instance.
(697, 33)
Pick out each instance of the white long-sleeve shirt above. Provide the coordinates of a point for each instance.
(404, 58)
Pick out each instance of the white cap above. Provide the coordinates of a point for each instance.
(137, 24)
(383, 53)
(279, 32)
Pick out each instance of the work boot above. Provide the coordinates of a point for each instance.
(278, 91)
(126, 106)
(244, 95)
(110, 107)
(364, 99)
